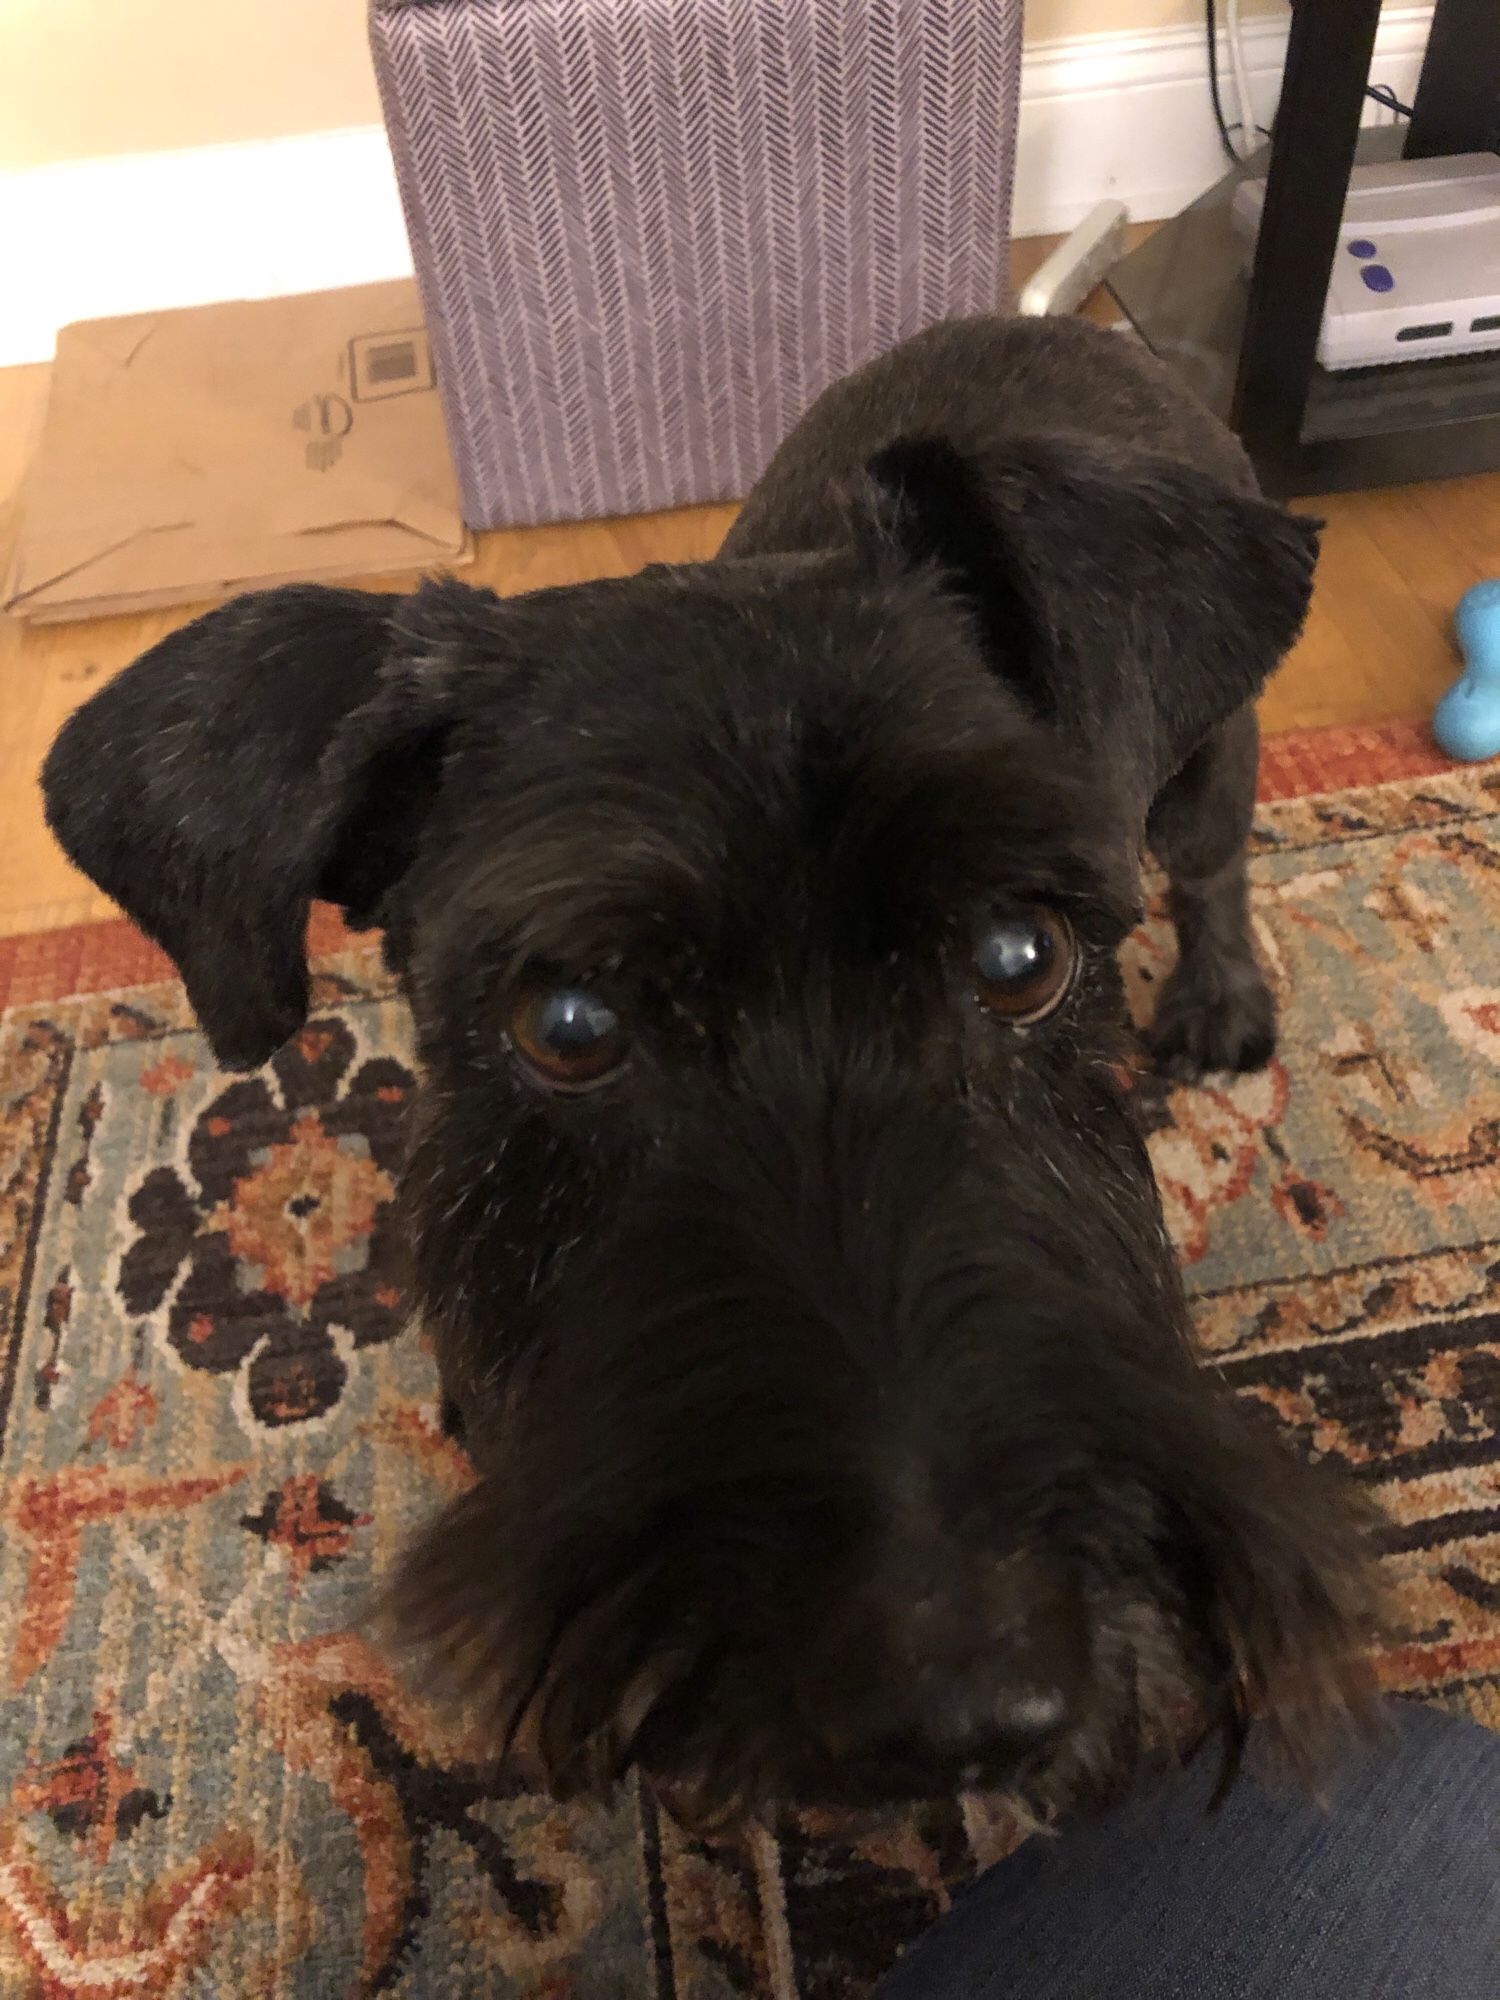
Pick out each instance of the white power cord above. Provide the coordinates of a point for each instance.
(1249, 128)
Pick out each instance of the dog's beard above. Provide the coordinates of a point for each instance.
(688, 1637)
(757, 1438)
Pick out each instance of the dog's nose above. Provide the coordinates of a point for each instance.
(964, 1715)
(953, 1688)
(963, 1728)
(1034, 1712)
(1015, 1713)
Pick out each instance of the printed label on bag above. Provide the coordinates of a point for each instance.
(389, 364)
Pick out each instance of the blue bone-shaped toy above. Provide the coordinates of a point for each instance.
(1466, 722)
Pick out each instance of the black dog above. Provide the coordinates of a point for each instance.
(794, 1263)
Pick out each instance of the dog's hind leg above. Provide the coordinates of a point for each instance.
(1215, 1011)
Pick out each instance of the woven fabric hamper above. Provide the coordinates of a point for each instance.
(648, 232)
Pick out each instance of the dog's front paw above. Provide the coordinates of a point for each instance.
(1213, 1016)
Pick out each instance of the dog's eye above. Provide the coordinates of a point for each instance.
(1024, 965)
(567, 1037)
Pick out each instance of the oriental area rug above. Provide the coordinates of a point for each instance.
(218, 1432)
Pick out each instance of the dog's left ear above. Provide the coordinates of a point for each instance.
(1131, 600)
(263, 755)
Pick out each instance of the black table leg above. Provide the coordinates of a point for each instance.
(1317, 128)
(1457, 106)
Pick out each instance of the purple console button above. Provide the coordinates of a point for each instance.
(1378, 278)
(1361, 246)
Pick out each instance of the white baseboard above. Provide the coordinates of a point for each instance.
(1126, 117)
(1101, 115)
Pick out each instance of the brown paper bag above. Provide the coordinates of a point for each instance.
(187, 454)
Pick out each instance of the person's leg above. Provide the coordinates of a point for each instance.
(1393, 1893)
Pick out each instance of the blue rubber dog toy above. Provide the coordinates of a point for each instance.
(1466, 722)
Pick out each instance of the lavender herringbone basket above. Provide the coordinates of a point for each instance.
(648, 232)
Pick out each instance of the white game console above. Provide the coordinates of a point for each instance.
(1417, 270)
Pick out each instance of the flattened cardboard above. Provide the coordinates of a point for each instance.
(187, 454)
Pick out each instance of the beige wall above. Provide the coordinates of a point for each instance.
(84, 77)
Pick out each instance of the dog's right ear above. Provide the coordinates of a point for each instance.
(248, 763)
(1131, 599)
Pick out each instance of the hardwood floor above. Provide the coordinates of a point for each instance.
(1376, 645)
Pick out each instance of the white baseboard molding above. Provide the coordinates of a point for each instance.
(1121, 115)
(147, 231)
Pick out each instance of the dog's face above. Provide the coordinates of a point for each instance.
(792, 1257)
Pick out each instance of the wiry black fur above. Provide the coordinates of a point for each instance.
(827, 1375)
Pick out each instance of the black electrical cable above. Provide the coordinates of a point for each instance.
(1211, 29)
(1383, 94)
(1380, 92)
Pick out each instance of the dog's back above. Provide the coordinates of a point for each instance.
(979, 385)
